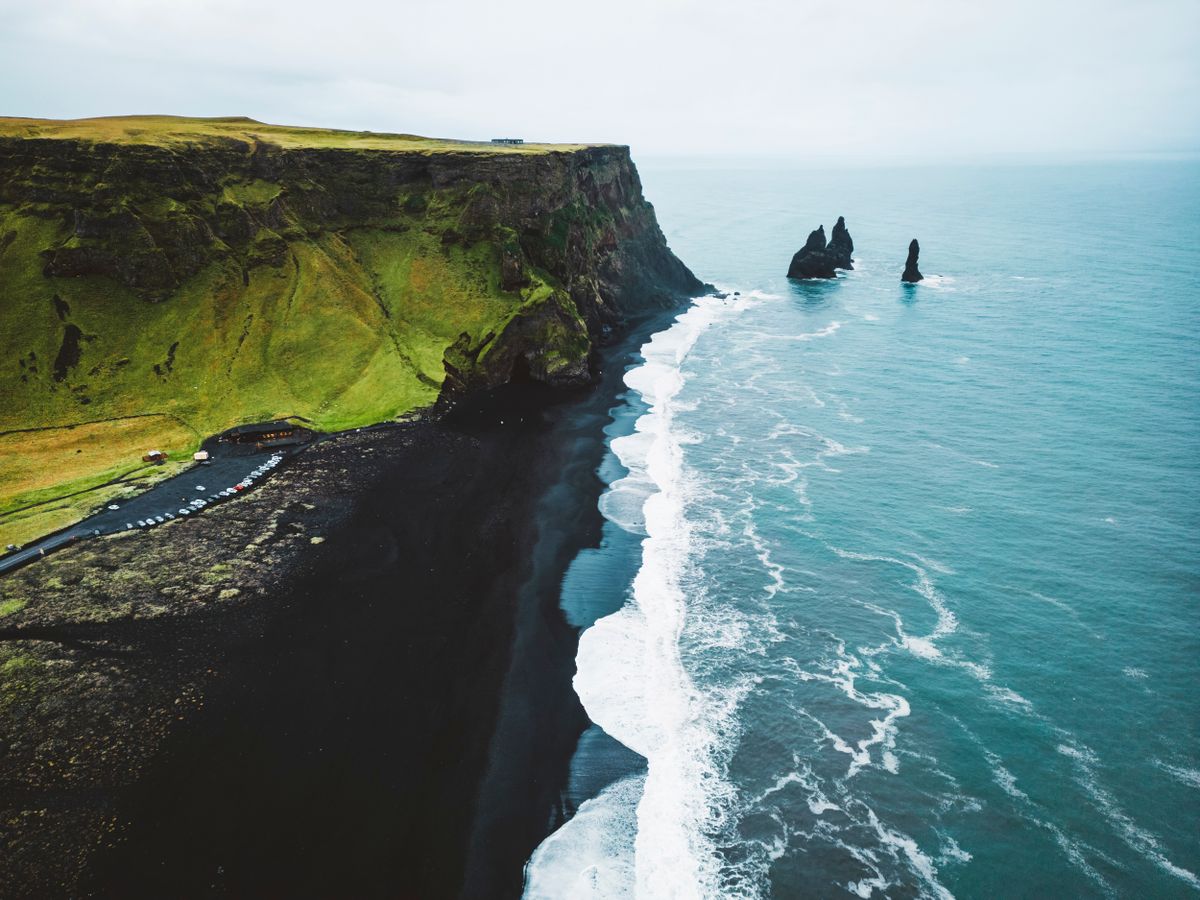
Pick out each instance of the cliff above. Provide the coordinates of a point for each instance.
(167, 278)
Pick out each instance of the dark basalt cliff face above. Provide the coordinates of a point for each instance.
(426, 266)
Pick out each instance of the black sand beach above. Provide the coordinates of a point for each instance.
(393, 714)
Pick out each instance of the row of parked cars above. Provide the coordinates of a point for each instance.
(200, 502)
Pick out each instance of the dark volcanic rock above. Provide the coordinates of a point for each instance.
(911, 274)
(811, 260)
(841, 245)
(816, 259)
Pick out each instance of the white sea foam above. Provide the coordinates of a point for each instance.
(947, 623)
(830, 329)
(1134, 836)
(952, 852)
(938, 282)
(763, 551)
(818, 802)
(917, 859)
(842, 673)
(1075, 850)
(630, 676)
(1009, 696)
(1190, 777)
(591, 856)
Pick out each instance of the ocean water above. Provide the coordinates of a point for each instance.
(899, 593)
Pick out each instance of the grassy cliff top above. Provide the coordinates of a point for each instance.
(181, 131)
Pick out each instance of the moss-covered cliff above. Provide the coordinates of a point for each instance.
(208, 272)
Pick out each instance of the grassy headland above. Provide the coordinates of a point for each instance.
(181, 131)
(162, 279)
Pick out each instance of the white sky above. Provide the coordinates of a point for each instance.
(814, 78)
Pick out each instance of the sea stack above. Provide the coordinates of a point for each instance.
(841, 245)
(816, 259)
(911, 274)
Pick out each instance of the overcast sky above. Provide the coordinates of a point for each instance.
(924, 79)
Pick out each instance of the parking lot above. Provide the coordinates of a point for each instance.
(222, 477)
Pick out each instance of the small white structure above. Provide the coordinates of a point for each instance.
(200, 455)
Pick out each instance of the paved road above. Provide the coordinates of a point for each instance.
(194, 491)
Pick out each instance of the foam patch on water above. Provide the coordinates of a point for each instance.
(1074, 850)
(947, 623)
(926, 647)
(818, 802)
(1004, 779)
(938, 282)
(828, 331)
(843, 674)
(1190, 777)
(1134, 836)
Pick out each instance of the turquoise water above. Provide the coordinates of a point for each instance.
(900, 588)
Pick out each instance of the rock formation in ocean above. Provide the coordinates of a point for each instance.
(816, 259)
(841, 245)
(911, 274)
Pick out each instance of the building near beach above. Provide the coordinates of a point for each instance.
(260, 432)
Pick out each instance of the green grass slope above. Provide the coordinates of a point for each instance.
(181, 131)
(185, 276)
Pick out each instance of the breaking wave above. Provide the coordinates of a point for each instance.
(651, 835)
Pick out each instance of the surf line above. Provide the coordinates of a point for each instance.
(646, 835)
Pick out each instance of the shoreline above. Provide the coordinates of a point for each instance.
(540, 718)
(357, 663)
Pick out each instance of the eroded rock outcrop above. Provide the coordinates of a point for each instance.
(841, 246)
(818, 259)
(911, 273)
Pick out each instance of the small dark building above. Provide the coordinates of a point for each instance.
(265, 435)
(508, 140)
(259, 432)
